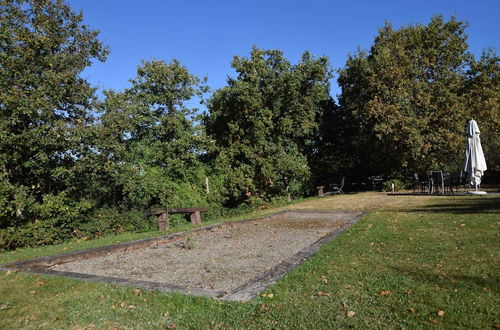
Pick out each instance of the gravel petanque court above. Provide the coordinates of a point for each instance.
(221, 259)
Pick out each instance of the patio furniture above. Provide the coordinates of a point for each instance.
(376, 181)
(457, 181)
(337, 189)
(439, 180)
(421, 185)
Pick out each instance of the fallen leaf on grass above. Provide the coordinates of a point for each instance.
(409, 291)
(441, 313)
(413, 310)
(11, 272)
(122, 304)
(462, 224)
(321, 293)
(4, 306)
(263, 307)
(137, 291)
(385, 293)
(171, 326)
(350, 313)
(268, 295)
(485, 289)
(131, 307)
(33, 292)
(40, 283)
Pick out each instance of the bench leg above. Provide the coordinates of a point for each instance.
(163, 221)
(195, 217)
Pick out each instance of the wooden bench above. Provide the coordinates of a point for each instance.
(162, 214)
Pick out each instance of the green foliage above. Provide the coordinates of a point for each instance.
(65, 220)
(481, 93)
(108, 221)
(398, 185)
(264, 124)
(43, 101)
(405, 101)
(54, 220)
(149, 141)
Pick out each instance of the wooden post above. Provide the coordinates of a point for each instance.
(195, 217)
(163, 221)
(320, 190)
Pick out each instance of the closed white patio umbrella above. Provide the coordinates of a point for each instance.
(475, 164)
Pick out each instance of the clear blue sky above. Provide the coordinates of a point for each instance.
(204, 35)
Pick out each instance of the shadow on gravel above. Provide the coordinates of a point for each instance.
(467, 205)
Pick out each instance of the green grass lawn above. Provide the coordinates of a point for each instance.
(411, 262)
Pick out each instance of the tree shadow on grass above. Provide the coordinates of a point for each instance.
(467, 205)
(451, 281)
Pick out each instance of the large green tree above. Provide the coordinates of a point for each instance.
(482, 99)
(404, 104)
(149, 140)
(265, 123)
(44, 46)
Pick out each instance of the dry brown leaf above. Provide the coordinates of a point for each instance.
(441, 313)
(409, 291)
(385, 293)
(33, 292)
(350, 313)
(263, 307)
(413, 310)
(268, 295)
(91, 326)
(122, 304)
(11, 271)
(322, 293)
(171, 326)
(4, 306)
(324, 279)
(40, 283)
(131, 307)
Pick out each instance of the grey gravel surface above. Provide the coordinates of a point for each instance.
(222, 259)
